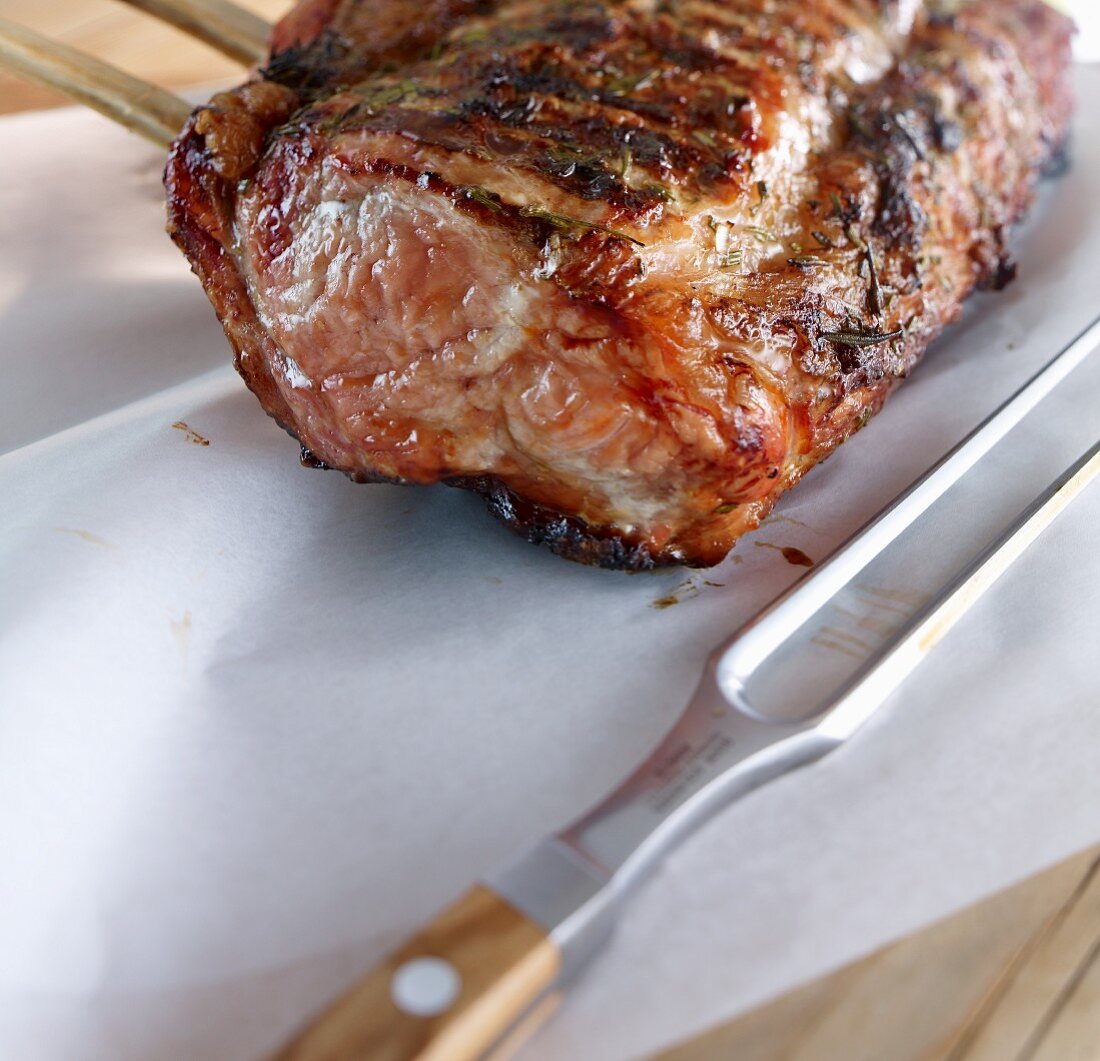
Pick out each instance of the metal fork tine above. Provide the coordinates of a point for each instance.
(146, 109)
(229, 29)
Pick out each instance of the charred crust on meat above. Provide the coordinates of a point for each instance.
(309, 459)
(567, 536)
(1059, 161)
(310, 69)
(1000, 273)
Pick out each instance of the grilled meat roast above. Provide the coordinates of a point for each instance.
(627, 268)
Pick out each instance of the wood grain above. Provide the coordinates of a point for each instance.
(227, 27)
(1015, 978)
(505, 961)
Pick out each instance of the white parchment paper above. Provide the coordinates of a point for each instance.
(257, 723)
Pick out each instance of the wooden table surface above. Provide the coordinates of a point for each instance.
(1016, 978)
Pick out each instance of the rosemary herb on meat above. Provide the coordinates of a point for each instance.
(563, 222)
(862, 339)
(874, 292)
(854, 237)
(485, 198)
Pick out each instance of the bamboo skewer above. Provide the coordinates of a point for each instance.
(146, 109)
(229, 29)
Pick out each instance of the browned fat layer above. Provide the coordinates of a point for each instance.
(200, 223)
(234, 125)
(531, 224)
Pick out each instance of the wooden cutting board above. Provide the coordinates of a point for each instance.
(1015, 978)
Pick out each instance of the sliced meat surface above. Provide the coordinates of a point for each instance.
(627, 269)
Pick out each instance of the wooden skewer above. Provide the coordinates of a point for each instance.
(229, 29)
(155, 114)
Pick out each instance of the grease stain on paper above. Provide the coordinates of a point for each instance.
(873, 622)
(86, 536)
(879, 614)
(777, 517)
(792, 555)
(902, 601)
(838, 640)
(191, 434)
(685, 591)
(181, 632)
(689, 589)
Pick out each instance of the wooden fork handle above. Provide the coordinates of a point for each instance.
(449, 993)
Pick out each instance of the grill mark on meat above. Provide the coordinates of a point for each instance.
(704, 83)
(625, 272)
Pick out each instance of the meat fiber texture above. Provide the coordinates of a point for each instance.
(626, 269)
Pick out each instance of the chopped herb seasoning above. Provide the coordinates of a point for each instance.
(563, 222)
(762, 234)
(807, 261)
(874, 291)
(725, 509)
(731, 259)
(861, 339)
(627, 83)
(823, 240)
(480, 195)
(705, 138)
